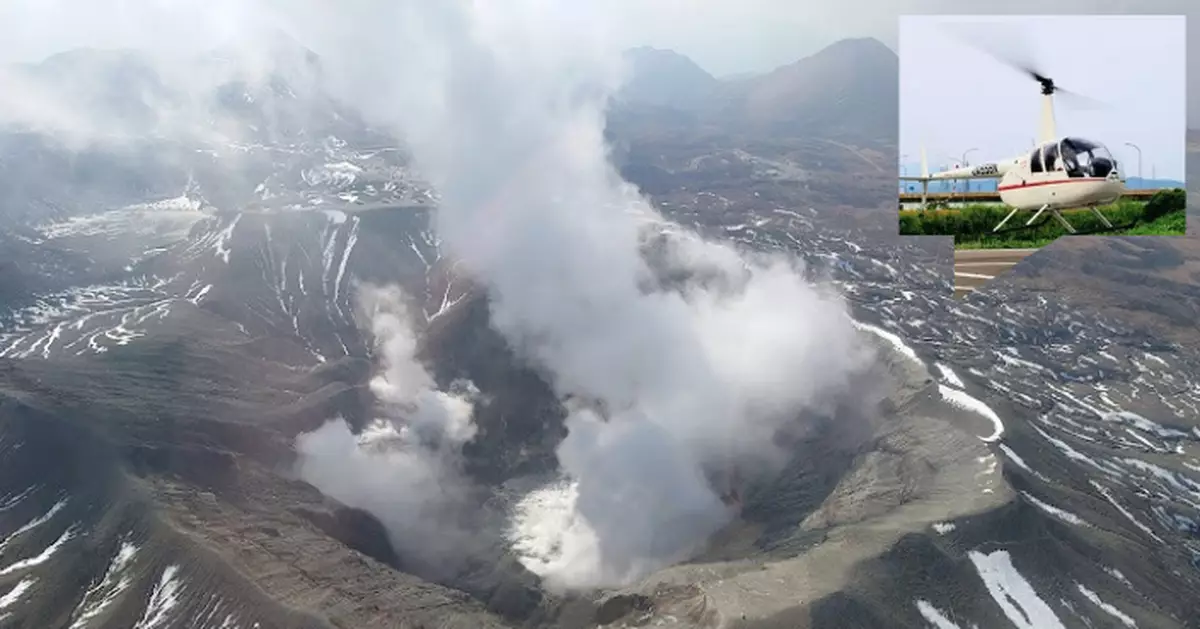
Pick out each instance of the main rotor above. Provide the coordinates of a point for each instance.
(1048, 87)
(1013, 51)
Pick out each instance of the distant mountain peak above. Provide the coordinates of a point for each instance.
(650, 59)
(858, 44)
(651, 52)
(849, 88)
(846, 89)
(663, 77)
(273, 44)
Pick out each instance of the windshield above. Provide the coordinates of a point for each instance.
(1084, 158)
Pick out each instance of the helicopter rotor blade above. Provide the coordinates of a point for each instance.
(1008, 44)
(1002, 41)
(1075, 100)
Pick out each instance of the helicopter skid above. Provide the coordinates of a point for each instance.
(1057, 214)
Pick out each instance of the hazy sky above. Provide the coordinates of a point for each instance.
(954, 97)
(723, 36)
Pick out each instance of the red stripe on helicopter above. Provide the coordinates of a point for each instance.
(1033, 184)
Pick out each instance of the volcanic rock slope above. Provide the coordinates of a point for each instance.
(1020, 461)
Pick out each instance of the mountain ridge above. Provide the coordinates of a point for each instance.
(787, 99)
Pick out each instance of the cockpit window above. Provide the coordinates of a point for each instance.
(1071, 159)
(1050, 157)
(1035, 160)
(1084, 158)
(1080, 144)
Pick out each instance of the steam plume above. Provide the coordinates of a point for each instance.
(503, 108)
(404, 467)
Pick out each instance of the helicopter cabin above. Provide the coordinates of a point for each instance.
(1076, 157)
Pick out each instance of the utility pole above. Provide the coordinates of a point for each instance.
(965, 164)
(1139, 152)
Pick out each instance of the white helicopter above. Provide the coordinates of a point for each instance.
(1058, 174)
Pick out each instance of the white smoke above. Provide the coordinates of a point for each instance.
(404, 467)
(432, 416)
(124, 72)
(503, 107)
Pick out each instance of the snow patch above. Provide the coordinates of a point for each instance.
(949, 376)
(337, 217)
(966, 402)
(1125, 512)
(351, 240)
(200, 295)
(1015, 458)
(222, 247)
(1075, 455)
(894, 340)
(163, 599)
(1108, 609)
(101, 596)
(1177, 481)
(935, 616)
(42, 557)
(1065, 516)
(12, 500)
(1143, 424)
(15, 594)
(1116, 574)
(38, 521)
(1015, 596)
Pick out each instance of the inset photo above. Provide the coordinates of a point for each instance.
(1018, 130)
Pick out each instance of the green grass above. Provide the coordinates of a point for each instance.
(971, 226)
(999, 243)
(1171, 224)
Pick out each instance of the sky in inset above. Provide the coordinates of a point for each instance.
(955, 95)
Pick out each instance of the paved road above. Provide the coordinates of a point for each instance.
(975, 267)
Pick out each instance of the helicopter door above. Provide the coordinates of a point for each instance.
(1035, 160)
(1051, 158)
